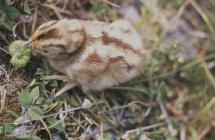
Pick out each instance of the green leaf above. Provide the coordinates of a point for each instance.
(20, 55)
(12, 12)
(19, 60)
(42, 72)
(26, 8)
(99, 8)
(16, 47)
(8, 128)
(176, 125)
(35, 93)
(209, 46)
(3, 23)
(40, 101)
(54, 123)
(25, 99)
(6, 3)
(35, 113)
(2, 18)
(53, 83)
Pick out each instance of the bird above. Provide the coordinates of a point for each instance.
(92, 54)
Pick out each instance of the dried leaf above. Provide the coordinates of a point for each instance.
(87, 103)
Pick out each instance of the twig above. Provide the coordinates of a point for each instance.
(186, 66)
(24, 32)
(204, 132)
(4, 50)
(3, 93)
(203, 15)
(15, 26)
(6, 75)
(65, 4)
(54, 114)
(153, 126)
(101, 130)
(111, 3)
(165, 114)
(183, 134)
(203, 111)
(142, 90)
(78, 122)
(141, 103)
(180, 11)
(197, 33)
(55, 77)
(34, 20)
(46, 128)
(209, 74)
(148, 111)
(57, 10)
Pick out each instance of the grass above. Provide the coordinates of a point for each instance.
(173, 99)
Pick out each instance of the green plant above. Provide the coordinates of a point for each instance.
(20, 55)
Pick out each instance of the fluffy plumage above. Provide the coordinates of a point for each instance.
(93, 54)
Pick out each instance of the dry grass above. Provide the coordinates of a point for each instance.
(174, 99)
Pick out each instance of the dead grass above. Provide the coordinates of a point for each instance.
(174, 99)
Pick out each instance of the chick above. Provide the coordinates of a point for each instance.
(93, 55)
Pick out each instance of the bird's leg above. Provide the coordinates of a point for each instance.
(55, 77)
(67, 87)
